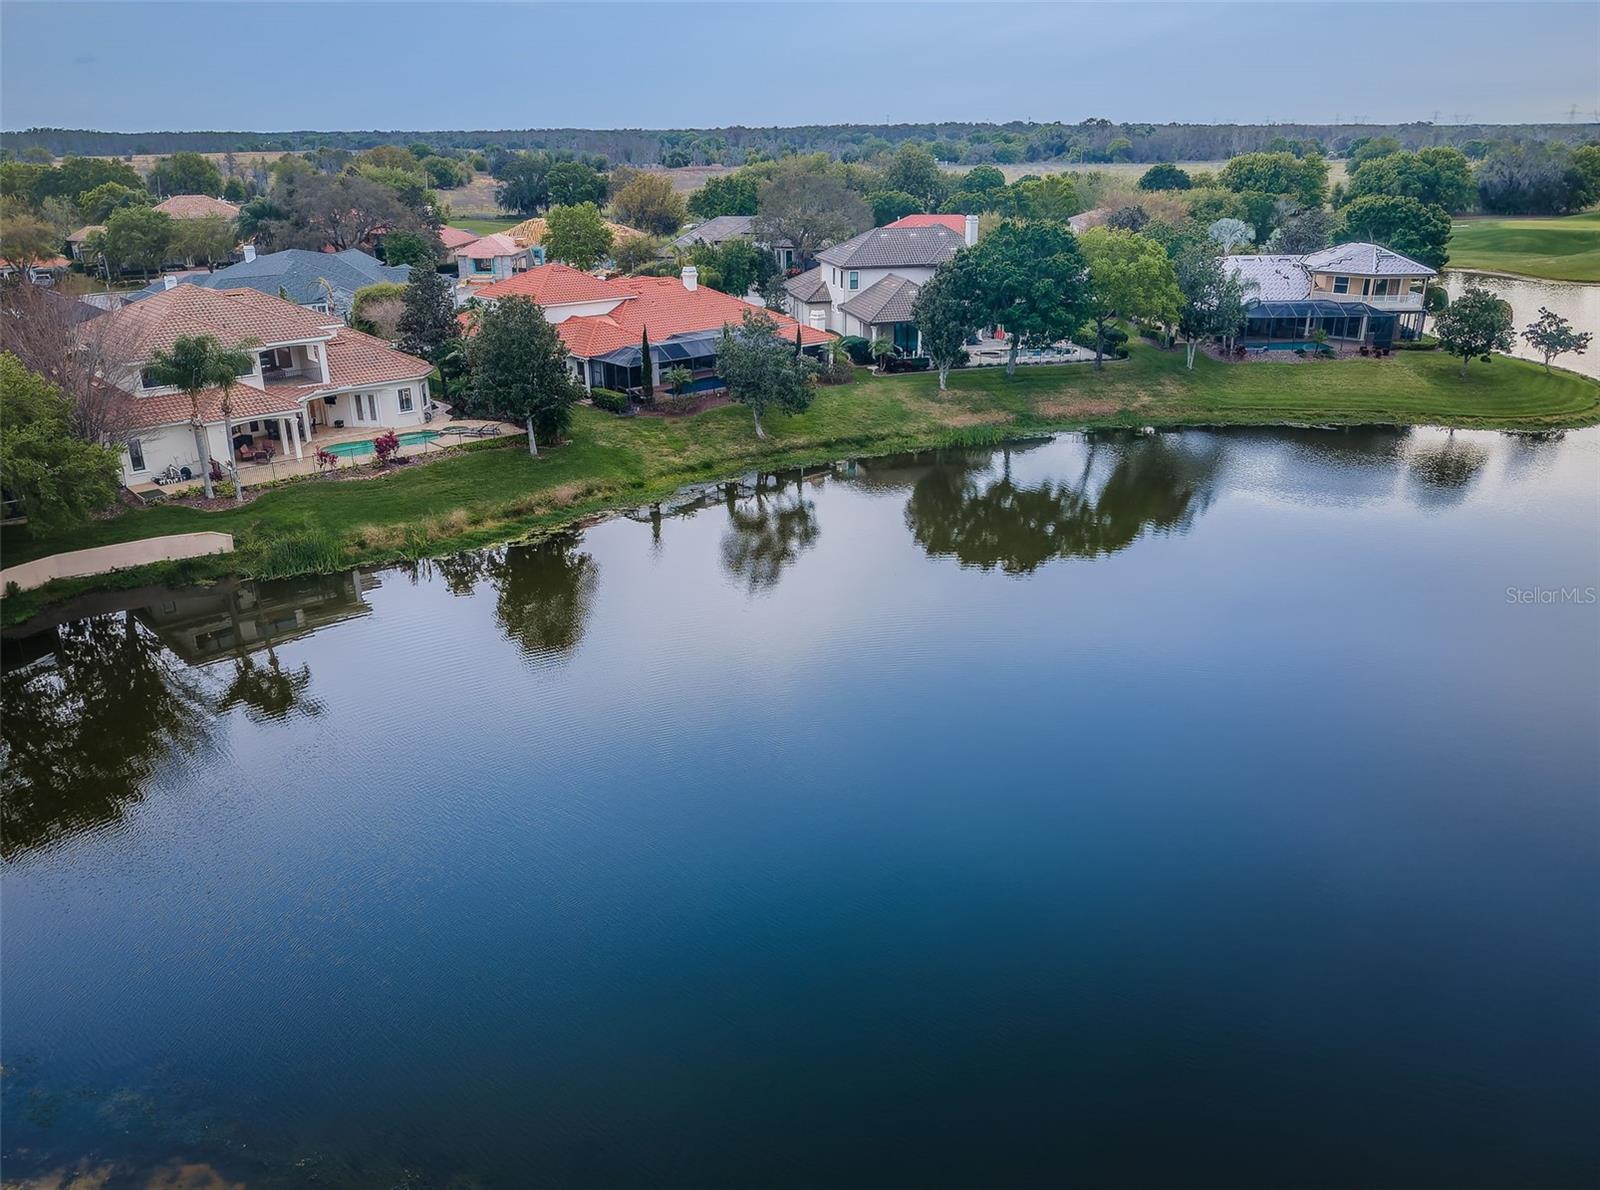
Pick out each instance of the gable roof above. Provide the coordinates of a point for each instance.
(485, 247)
(555, 285)
(85, 232)
(895, 247)
(1270, 278)
(455, 237)
(1365, 259)
(196, 206)
(808, 286)
(531, 231)
(232, 315)
(299, 273)
(664, 307)
(888, 300)
(956, 223)
(721, 228)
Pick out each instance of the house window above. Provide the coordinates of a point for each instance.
(147, 379)
(1341, 285)
(276, 359)
(855, 280)
(482, 265)
(1381, 289)
(405, 400)
(136, 454)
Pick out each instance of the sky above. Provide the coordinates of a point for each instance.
(134, 66)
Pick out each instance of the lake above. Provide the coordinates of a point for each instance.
(1119, 810)
(1575, 301)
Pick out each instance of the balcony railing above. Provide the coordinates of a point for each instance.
(1389, 301)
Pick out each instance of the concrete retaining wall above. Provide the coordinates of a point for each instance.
(104, 558)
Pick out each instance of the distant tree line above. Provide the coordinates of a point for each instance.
(1091, 141)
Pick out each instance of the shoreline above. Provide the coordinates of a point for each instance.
(585, 479)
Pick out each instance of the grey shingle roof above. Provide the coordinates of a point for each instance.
(720, 228)
(895, 248)
(808, 287)
(1270, 278)
(297, 272)
(1370, 260)
(889, 300)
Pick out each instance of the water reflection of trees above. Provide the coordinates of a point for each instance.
(86, 726)
(1442, 474)
(268, 691)
(543, 593)
(768, 529)
(960, 509)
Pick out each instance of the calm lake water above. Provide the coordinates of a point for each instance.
(1183, 810)
(1574, 301)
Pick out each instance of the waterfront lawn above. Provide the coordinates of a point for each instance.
(1564, 249)
(492, 491)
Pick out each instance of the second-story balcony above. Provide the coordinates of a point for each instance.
(1381, 301)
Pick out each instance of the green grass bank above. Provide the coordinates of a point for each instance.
(1564, 249)
(494, 491)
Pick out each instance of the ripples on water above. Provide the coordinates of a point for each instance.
(1184, 809)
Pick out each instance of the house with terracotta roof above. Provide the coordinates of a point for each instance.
(955, 223)
(310, 377)
(603, 323)
(867, 284)
(455, 237)
(492, 258)
(196, 206)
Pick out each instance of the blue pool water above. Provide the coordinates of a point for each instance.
(364, 447)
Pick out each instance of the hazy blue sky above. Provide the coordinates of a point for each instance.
(135, 66)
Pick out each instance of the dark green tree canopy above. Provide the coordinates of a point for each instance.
(1474, 326)
(58, 478)
(186, 173)
(1403, 224)
(519, 368)
(734, 194)
(1165, 177)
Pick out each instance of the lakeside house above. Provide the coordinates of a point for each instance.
(1358, 294)
(719, 229)
(602, 323)
(867, 284)
(311, 378)
(324, 282)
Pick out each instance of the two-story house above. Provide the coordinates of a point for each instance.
(309, 375)
(866, 285)
(492, 258)
(1357, 294)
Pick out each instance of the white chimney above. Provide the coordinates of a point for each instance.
(972, 229)
(168, 281)
(249, 251)
(691, 278)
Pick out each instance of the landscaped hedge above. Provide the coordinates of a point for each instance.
(857, 348)
(610, 400)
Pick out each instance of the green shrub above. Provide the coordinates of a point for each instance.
(857, 348)
(299, 551)
(610, 400)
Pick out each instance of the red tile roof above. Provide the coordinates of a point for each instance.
(555, 285)
(355, 360)
(196, 206)
(664, 307)
(455, 237)
(52, 262)
(488, 246)
(232, 315)
(956, 223)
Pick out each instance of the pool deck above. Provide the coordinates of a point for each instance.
(287, 466)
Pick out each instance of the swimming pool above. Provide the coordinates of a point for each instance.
(364, 447)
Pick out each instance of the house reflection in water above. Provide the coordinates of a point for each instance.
(207, 624)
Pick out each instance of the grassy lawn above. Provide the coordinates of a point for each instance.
(1565, 249)
(484, 226)
(493, 492)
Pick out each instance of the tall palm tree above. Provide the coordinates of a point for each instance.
(193, 364)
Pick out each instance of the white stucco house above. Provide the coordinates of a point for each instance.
(866, 285)
(311, 376)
